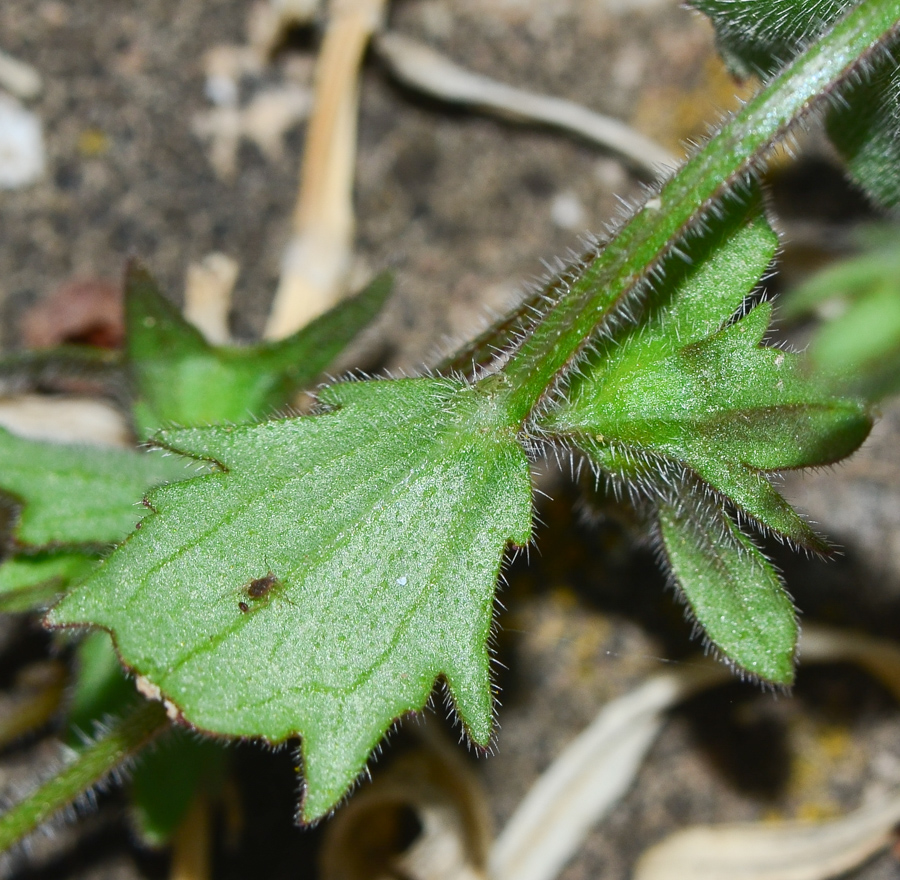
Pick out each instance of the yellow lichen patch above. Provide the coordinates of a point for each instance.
(823, 753)
(92, 143)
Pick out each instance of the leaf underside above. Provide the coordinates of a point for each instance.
(374, 533)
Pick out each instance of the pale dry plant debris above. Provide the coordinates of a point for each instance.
(18, 78)
(590, 777)
(65, 420)
(317, 258)
(774, 851)
(598, 768)
(22, 152)
(207, 296)
(426, 70)
(263, 121)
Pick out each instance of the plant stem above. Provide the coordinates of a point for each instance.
(90, 767)
(631, 259)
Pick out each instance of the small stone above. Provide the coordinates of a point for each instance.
(22, 155)
(567, 212)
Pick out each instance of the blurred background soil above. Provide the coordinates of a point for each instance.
(464, 209)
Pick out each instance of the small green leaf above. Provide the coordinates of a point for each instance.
(181, 379)
(79, 494)
(858, 302)
(732, 589)
(328, 575)
(687, 401)
(101, 689)
(33, 581)
(690, 385)
(168, 777)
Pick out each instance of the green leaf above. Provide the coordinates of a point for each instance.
(761, 36)
(690, 385)
(732, 589)
(865, 127)
(168, 777)
(101, 689)
(79, 494)
(181, 379)
(33, 581)
(858, 302)
(328, 575)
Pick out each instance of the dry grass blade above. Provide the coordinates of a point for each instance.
(64, 420)
(764, 851)
(590, 777)
(317, 258)
(425, 70)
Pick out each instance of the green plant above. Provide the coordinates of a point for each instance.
(316, 576)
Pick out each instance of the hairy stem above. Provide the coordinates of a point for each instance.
(90, 767)
(629, 261)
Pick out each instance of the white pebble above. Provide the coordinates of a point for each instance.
(21, 145)
(567, 212)
(19, 78)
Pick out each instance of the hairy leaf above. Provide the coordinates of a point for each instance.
(690, 385)
(761, 36)
(865, 127)
(731, 588)
(686, 400)
(181, 379)
(79, 494)
(328, 575)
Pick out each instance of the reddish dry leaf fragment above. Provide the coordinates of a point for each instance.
(82, 311)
